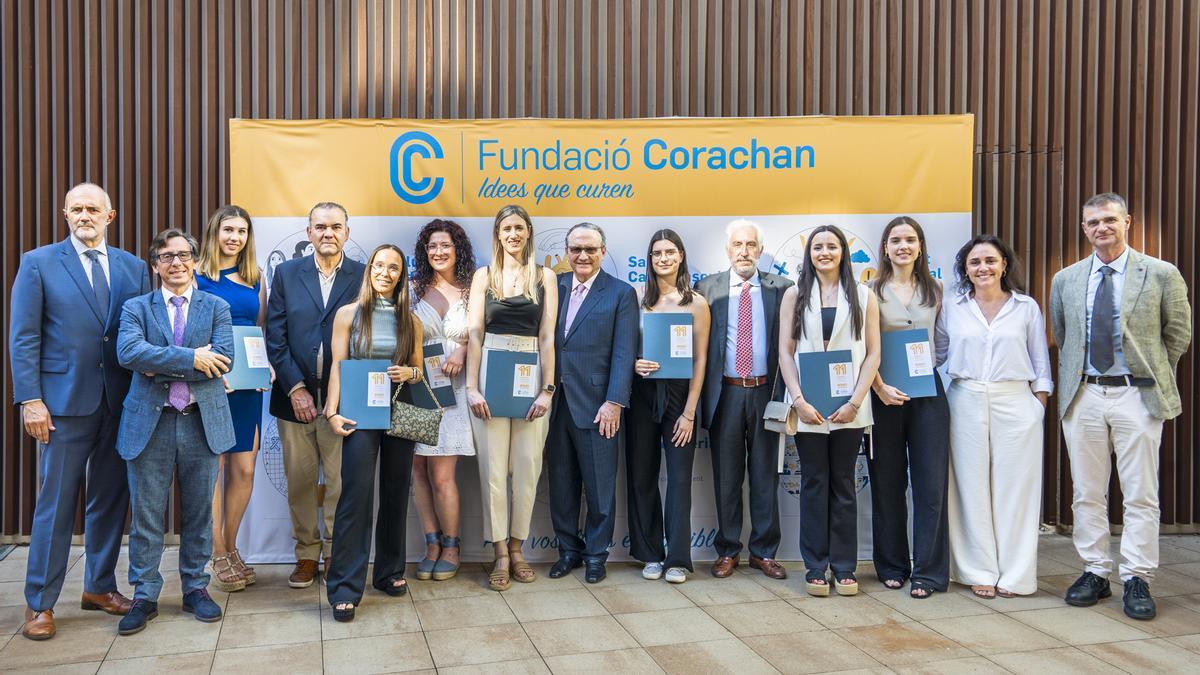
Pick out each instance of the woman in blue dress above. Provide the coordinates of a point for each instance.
(227, 268)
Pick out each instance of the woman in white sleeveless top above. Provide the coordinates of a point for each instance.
(829, 311)
(443, 268)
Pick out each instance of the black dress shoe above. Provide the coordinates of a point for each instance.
(1138, 603)
(563, 567)
(139, 614)
(595, 572)
(1087, 590)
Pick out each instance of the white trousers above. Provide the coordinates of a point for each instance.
(995, 484)
(1103, 421)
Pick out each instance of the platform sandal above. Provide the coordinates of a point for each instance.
(425, 567)
(444, 569)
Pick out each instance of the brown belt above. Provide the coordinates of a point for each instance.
(746, 382)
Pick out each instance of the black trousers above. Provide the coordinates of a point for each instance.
(347, 575)
(740, 444)
(828, 509)
(912, 443)
(654, 406)
(580, 463)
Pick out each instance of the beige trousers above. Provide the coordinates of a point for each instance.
(508, 447)
(1112, 421)
(995, 484)
(310, 450)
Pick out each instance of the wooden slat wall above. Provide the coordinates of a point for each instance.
(1071, 97)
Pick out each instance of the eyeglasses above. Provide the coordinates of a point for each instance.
(435, 248)
(664, 255)
(166, 258)
(379, 268)
(579, 250)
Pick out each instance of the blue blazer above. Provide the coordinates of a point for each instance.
(62, 343)
(593, 361)
(298, 323)
(146, 344)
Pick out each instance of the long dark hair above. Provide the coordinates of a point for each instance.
(931, 292)
(651, 296)
(464, 256)
(363, 314)
(1010, 282)
(808, 281)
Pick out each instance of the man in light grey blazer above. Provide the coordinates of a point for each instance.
(178, 340)
(1121, 320)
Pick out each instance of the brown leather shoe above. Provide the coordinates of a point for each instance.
(724, 566)
(110, 603)
(38, 625)
(304, 574)
(769, 567)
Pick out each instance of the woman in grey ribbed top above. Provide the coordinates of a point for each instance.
(379, 325)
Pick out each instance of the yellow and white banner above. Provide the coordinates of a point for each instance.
(631, 177)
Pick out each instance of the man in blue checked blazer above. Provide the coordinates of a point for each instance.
(178, 340)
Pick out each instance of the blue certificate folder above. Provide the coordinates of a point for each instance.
(355, 385)
(444, 394)
(893, 362)
(498, 383)
(241, 375)
(814, 379)
(657, 328)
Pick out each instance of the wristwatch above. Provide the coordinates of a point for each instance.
(549, 389)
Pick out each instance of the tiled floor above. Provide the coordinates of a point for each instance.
(745, 624)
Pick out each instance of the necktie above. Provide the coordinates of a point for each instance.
(178, 395)
(744, 356)
(573, 306)
(99, 281)
(1101, 350)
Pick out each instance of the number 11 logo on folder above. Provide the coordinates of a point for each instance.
(523, 386)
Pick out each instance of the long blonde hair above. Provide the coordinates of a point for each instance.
(496, 270)
(363, 313)
(209, 264)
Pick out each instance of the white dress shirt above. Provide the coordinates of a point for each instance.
(758, 367)
(326, 288)
(86, 261)
(167, 295)
(1119, 367)
(569, 319)
(1012, 347)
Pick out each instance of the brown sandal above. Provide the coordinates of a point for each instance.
(498, 579)
(242, 568)
(224, 577)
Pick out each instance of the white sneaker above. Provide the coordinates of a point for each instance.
(652, 571)
(677, 575)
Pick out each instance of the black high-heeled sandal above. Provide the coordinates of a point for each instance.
(343, 615)
(389, 586)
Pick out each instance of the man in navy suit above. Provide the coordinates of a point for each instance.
(66, 304)
(305, 294)
(178, 340)
(595, 345)
(743, 354)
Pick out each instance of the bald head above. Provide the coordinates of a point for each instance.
(88, 211)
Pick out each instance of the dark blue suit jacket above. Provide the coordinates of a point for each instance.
(146, 344)
(62, 344)
(593, 362)
(298, 324)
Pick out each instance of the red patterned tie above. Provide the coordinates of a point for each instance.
(744, 357)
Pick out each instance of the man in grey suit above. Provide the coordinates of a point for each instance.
(1121, 320)
(595, 345)
(179, 342)
(743, 354)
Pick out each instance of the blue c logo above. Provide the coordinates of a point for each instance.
(410, 189)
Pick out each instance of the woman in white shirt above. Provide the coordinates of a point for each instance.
(993, 340)
(829, 311)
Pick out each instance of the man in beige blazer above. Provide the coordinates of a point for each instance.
(1121, 320)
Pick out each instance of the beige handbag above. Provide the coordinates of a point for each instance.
(414, 423)
(779, 416)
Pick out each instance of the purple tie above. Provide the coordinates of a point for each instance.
(179, 396)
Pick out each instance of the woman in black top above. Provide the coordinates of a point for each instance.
(513, 307)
